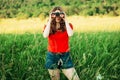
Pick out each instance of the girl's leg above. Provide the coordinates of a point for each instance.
(71, 74)
(54, 74)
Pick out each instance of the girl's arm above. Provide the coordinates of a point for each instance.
(68, 28)
(47, 30)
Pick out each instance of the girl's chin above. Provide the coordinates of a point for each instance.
(58, 21)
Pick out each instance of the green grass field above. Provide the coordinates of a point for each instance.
(95, 54)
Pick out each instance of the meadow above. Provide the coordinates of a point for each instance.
(95, 48)
(94, 54)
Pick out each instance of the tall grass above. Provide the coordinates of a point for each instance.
(22, 56)
(96, 54)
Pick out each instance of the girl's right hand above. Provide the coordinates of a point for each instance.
(51, 16)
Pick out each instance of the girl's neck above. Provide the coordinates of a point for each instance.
(57, 25)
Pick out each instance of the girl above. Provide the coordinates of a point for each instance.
(58, 31)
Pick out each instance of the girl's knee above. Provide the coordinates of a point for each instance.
(54, 74)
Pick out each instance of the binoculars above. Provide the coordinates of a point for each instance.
(58, 14)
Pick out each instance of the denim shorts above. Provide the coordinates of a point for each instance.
(58, 61)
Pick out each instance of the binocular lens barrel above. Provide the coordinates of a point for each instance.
(57, 13)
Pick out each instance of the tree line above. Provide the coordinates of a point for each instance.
(41, 8)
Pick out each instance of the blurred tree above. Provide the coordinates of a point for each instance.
(33, 8)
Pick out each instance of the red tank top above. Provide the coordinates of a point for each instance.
(59, 42)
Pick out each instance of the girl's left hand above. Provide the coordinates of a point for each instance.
(63, 15)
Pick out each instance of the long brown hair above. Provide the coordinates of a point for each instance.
(53, 22)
